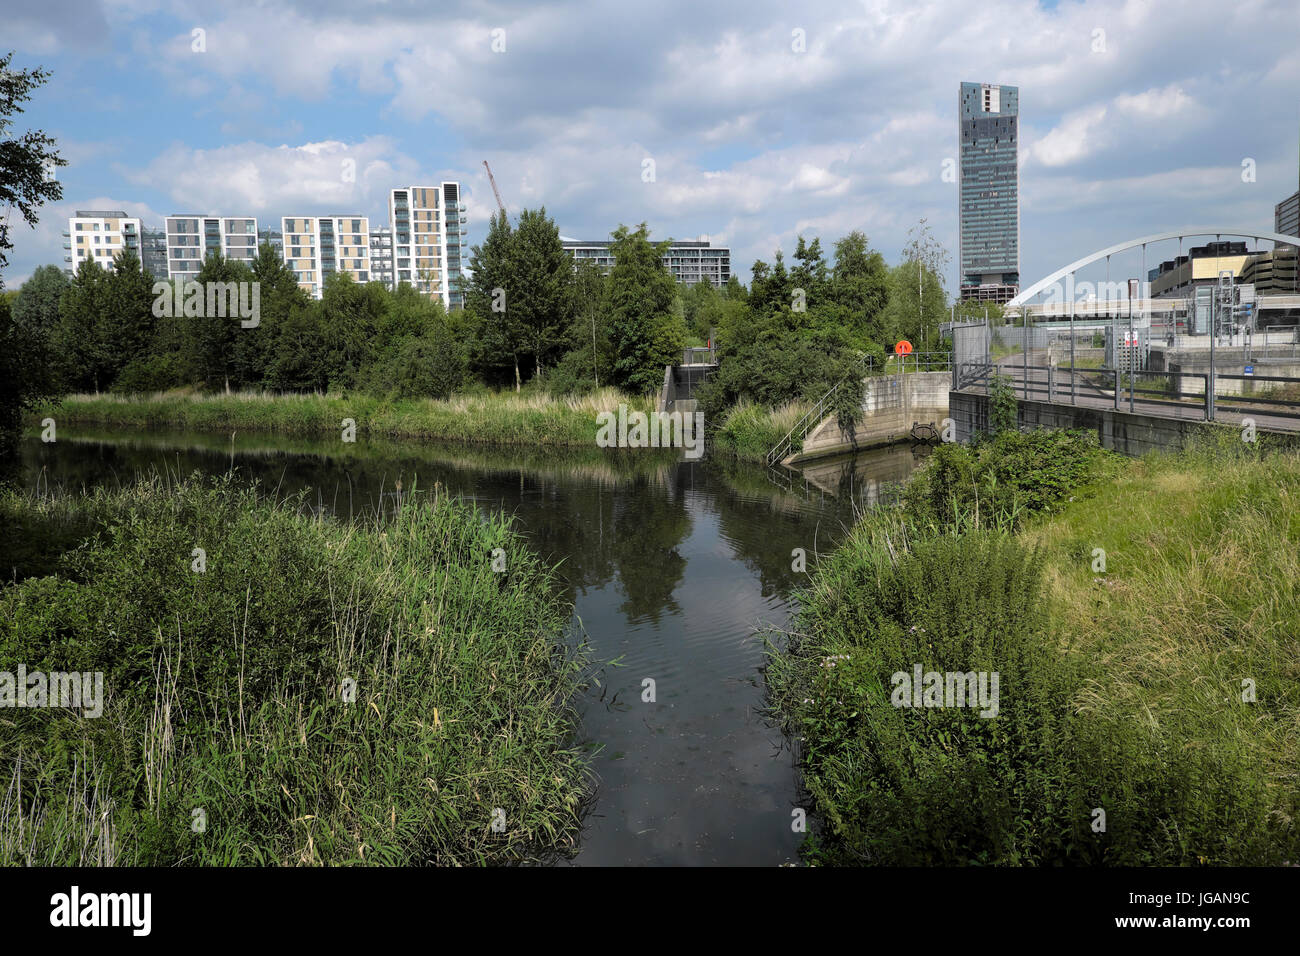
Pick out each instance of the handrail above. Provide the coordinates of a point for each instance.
(782, 448)
(814, 416)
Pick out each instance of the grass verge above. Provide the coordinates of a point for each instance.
(1149, 712)
(501, 418)
(226, 688)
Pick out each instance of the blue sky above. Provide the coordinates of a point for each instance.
(1136, 117)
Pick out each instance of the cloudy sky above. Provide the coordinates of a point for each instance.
(764, 120)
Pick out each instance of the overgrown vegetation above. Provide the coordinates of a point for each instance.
(501, 418)
(227, 686)
(1145, 634)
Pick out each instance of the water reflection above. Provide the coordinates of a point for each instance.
(670, 565)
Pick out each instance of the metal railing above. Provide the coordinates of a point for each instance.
(1138, 389)
(699, 355)
(893, 364)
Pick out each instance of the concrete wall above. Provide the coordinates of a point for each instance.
(680, 384)
(891, 403)
(1132, 434)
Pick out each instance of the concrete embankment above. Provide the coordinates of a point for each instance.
(891, 404)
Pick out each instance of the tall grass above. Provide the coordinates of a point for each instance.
(1199, 596)
(226, 689)
(750, 431)
(503, 418)
(1162, 691)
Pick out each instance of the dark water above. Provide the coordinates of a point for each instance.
(671, 565)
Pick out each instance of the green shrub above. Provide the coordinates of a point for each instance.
(1003, 409)
(907, 786)
(432, 366)
(1000, 481)
(224, 689)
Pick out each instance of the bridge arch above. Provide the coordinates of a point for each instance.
(1039, 286)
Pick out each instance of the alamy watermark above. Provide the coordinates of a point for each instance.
(194, 300)
(73, 690)
(946, 689)
(655, 430)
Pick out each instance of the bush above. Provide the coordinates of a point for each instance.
(941, 785)
(431, 366)
(150, 373)
(1002, 480)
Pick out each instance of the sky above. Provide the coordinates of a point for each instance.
(761, 121)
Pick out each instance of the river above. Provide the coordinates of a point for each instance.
(670, 564)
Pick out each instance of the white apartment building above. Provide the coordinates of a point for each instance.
(315, 247)
(690, 261)
(428, 224)
(381, 256)
(190, 238)
(100, 234)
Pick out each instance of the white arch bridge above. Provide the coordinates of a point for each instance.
(1186, 377)
(1142, 242)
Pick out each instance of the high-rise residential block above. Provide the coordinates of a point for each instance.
(190, 238)
(315, 247)
(154, 252)
(689, 261)
(381, 255)
(99, 235)
(428, 225)
(988, 190)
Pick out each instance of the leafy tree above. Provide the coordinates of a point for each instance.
(36, 304)
(644, 330)
(350, 314)
(81, 341)
(128, 305)
(810, 274)
(499, 334)
(590, 358)
(26, 376)
(299, 362)
(278, 296)
(918, 301)
(27, 161)
(860, 286)
(538, 295)
(211, 337)
(420, 366)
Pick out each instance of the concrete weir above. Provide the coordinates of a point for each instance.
(891, 404)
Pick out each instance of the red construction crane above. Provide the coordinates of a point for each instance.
(495, 192)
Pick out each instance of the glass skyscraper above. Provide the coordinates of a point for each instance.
(989, 185)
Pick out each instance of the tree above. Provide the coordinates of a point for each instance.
(918, 299)
(36, 305)
(278, 296)
(591, 355)
(499, 336)
(350, 315)
(860, 285)
(129, 321)
(210, 336)
(27, 162)
(538, 293)
(81, 341)
(810, 273)
(644, 330)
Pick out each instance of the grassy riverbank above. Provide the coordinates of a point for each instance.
(750, 431)
(227, 686)
(1149, 713)
(501, 418)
